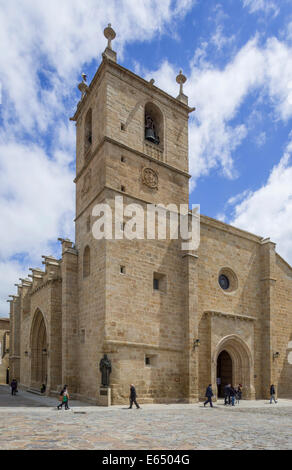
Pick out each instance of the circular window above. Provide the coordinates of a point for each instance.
(224, 282)
(227, 280)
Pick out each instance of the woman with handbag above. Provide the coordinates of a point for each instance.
(64, 398)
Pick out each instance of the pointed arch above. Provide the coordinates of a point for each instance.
(38, 347)
(242, 363)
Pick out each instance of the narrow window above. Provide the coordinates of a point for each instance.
(123, 127)
(147, 361)
(82, 336)
(88, 224)
(122, 269)
(88, 131)
(86, 262)
(156, 284)
(159, 282)
(123, 189)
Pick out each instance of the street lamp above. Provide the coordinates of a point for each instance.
(196, 343)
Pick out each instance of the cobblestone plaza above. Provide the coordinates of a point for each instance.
(29, 421)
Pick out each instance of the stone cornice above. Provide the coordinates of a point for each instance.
(205, 220)
(106, 65)
(230, 315)
(192, 255)
(113, 342)
(45, 284)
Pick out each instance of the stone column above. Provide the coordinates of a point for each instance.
(69, 270)
(268, 286)
(191, 356)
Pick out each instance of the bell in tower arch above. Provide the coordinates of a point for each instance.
(150, 133)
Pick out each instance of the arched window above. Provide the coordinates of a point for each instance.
(88, 130)
(154, 129)
(86, 262)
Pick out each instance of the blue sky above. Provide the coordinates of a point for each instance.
(237, 55)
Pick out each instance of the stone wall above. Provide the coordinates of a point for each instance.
(4, 348)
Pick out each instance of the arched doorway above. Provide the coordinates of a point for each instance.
(224, 372)
(38, 351)
(233, 360)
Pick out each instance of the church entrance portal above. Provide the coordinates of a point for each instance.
(38, 351)
(224, 372)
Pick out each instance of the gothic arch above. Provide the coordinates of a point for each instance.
(242, 363)
(39, 353)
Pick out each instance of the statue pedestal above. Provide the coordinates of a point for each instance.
(104, 398)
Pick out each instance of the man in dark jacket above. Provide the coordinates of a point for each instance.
(273, 394)
(209, 395)
(13, 387)
(232, 395)
(227, 394)
(133, 397)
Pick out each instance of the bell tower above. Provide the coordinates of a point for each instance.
(132, 141)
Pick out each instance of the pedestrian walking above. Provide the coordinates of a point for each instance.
(239, 391)
(209, 394)
(13, 386)
(237, 394)
(232, 395)
(64, 398)
(272, 394)
(227, 394)
(133, 397)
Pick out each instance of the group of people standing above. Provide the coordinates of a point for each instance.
(232, 394)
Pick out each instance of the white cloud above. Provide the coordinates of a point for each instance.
(10, 272)
(36, 198)
(267, 6)
(219, 93)
(260, 139)
(268, 210)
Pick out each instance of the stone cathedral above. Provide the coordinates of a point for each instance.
(170, 321)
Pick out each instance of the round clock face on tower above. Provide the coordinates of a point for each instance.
(150, 178)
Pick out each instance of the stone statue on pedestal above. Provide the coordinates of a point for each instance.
(105, 368)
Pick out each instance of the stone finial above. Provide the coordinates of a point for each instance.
(83, 87)
(181, 79)
(110, 34)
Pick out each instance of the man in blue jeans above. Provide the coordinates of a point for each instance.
(209, 395)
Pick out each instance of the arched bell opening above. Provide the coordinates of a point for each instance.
(154, 125)
(39, 356)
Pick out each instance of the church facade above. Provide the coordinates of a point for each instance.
(171, 321)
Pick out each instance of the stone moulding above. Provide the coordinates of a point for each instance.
(230, 315)
(113, 342)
